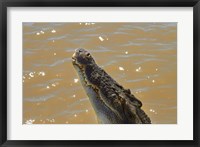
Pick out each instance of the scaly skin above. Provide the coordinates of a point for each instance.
(112, 103)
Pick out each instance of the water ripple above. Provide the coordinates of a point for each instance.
(135, 55)
(40, 98)
(47, 82)
(61, 61)
(89, 29)
(58, 37)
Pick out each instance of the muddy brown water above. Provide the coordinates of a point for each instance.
(139, 56)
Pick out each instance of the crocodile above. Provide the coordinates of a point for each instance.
(112, 103)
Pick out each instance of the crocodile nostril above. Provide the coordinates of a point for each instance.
(79, 50)
(88, 54)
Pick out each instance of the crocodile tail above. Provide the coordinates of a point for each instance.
(143, 116)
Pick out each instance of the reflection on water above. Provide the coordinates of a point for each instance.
(140, 56)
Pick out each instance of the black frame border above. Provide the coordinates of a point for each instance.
(4, 4)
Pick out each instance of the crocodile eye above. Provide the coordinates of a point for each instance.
(88, 55)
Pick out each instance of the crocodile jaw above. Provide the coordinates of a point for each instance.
(102, 111)
(92, 94)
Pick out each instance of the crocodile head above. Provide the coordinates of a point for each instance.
(111, 102)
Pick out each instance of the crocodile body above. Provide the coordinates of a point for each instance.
(112, 103)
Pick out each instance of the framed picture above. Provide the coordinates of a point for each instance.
(86, 73)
